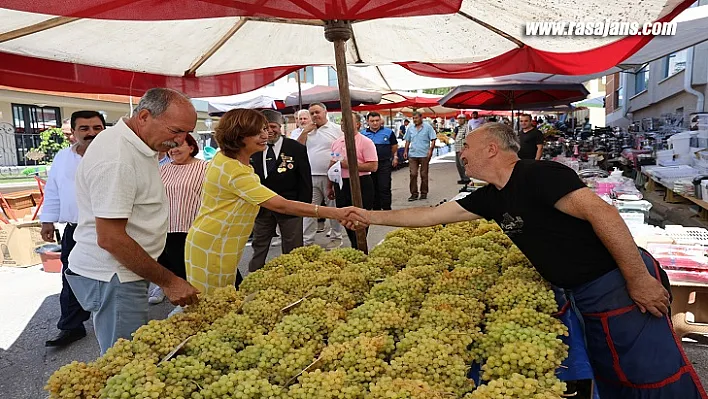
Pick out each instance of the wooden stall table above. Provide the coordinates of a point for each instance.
(687, 297)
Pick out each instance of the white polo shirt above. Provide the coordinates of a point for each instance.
(319, 147)
(118, 178)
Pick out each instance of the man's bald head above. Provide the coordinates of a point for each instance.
(500, 133)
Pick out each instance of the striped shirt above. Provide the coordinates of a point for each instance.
(183, 186)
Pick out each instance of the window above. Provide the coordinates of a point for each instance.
(618, 100)
(674, 63)
(332, 77)
(641, 80)
(307, 75)
(29, 122)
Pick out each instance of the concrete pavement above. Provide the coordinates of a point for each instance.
(29, 304)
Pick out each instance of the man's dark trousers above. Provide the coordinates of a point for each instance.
(73, 315)
(382, 185)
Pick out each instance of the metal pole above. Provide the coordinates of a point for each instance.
(299, 92)
(338, 32)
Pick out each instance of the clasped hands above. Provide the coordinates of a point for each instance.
(354, 218)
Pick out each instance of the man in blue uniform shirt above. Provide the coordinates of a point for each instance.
(387, 150)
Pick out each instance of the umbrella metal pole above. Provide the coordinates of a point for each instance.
(338, 32)
(299, 92)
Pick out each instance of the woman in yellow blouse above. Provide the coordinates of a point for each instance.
(231, 199)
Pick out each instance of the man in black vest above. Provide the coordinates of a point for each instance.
(284, 168)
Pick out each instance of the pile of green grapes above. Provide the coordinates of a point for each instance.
(405, 322)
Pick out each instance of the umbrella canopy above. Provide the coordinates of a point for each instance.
(210, 48)
(330, 97)
(514, 95)
(395, 100)
(597, 102)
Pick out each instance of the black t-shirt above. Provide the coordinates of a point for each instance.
(529, 140)
(565, 250)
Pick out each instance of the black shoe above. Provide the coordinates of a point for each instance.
(424, 196)
(462, 182)
(66, 337)
(413, 198)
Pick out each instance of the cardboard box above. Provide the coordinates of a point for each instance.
(17, 244)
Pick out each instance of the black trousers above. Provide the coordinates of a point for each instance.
(73, 315)
(264, 231)
(382, 185)
(172, 257)
(344, 199)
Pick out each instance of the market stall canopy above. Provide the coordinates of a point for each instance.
(514, 95)
(329, 95)
(597, 102)
(395, 100)
(210, 48)
(264, 98)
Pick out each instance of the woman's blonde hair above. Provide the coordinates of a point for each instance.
(236, 125)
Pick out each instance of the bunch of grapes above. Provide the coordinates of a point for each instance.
(486, 244)
(514, 292)
(485, 226)
(526, 358)
(293, 362)
(160, 337)
(370, 319)
(518, 386)
(138, 379)
(309, 253)
(406, 291)
(237, 329)
(336, 293)
(468, 304)
(76, 380)
(475, 257)
(249, 384)
(331, 260)
(361, 358)
(270, 349)
(435, 363)
(395, 249)
(411, 237)
(499, 334)
(527, 317)
(302, 282)
(301, 329)
(435, 249)
(350, 254)
(215, 305)
(514, 257)
(288, 262)
(320, 384)
(262, 279)
(356, 283)
(212, 348)
(328, 315)
(401, 388)
(460, 342)
(266, 306)
(462, 281)
(522, 273)
(118, 355)
(183, 375)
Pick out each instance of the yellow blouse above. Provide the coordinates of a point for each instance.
(230, 202)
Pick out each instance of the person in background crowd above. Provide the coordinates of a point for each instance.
(233, 196)
(284, 168)
(403, 128)
(475, 121)
(183, 179)
(367, 161)
(492, 119)
(435, 125)
(461, 132)
(587, 126)
(163, 158)
(123, 217)
(66, 131)
(420, 141)
(60, 207)
(318, 137)
(620, 292)
(302, 119)
(387, 150)
(531, 139)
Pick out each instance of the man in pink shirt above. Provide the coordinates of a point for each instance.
(367, 160)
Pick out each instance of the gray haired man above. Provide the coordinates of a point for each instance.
(123, 217)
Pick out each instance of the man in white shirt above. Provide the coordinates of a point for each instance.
(59, 206)
(123, 217)
(318, 137)
(302, 119)
(475, 122)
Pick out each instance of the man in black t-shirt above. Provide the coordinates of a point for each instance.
(577, 242)
(530, 138)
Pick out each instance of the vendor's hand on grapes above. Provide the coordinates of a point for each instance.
(180, 292)
(649, 295)
(47, 232)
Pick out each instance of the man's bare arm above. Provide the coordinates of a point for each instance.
(112, 236)
(449, 212)
(539, 151)
(609, 226)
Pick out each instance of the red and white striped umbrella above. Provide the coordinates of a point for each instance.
(223, 47)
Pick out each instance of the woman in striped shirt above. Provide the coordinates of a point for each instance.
(183, 179)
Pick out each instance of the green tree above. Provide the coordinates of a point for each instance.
(440, 91)
(52, 141)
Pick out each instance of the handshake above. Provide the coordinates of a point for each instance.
(354, 218)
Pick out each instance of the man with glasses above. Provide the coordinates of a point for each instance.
(123, 217)
(60, 207)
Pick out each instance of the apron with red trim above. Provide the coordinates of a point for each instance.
(633, 354)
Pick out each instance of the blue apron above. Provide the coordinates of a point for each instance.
(633, 354)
